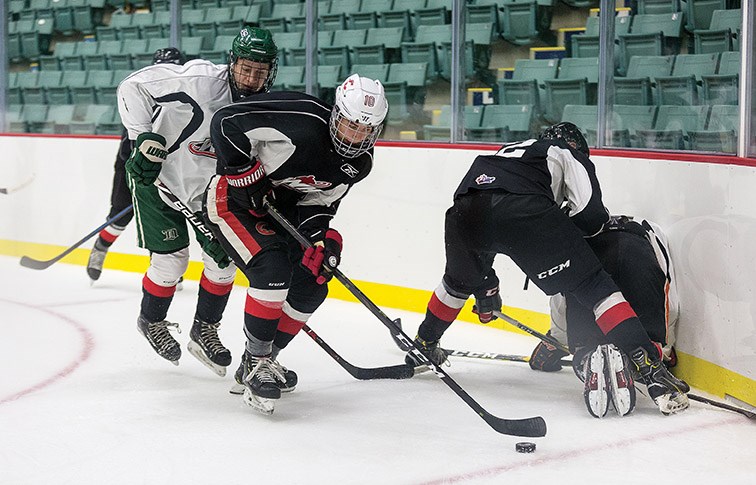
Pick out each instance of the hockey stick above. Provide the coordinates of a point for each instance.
(494, 356)
(394, 372)
(551, 340)
(530, 427)
(32, 263)
(16, 188)
(546, 338)
(402, 371)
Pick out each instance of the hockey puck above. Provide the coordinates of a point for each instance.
(525, 447)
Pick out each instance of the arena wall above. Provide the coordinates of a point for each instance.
(393, 231)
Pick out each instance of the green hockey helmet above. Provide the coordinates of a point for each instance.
(251, 48)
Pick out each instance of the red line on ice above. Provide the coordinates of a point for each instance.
(84, 354)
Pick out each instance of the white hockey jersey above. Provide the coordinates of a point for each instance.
(178, 103)
(660, 245)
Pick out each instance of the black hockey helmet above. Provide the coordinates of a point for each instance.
(568, 132)
(168, 55)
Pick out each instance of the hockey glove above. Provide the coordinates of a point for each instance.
(487, 299)
(323, 256)
(213, 248)
(146, 158)
(249, 186)
(546, 357)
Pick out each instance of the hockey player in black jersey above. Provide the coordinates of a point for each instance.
(509, 203)
(303, 156)
(636, 255)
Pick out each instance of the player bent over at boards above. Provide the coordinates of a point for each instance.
(303, 156)
(167, 110)
(636, 256)
(509, 203)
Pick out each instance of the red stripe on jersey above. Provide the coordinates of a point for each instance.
(267, 310)
(221, 198)
(442, 311)
(107, 237)
(215, 288)
(615, 315)
(289, 325)
(156, 290)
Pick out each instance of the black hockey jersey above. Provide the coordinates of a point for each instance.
(288, 132)
(547, 167)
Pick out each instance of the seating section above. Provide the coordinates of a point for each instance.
(675, 86)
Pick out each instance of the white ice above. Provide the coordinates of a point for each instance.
(85, 400)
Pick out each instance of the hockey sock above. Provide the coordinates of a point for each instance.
(155, 300)
(618, 321)
(289, 325)
(262, 311)
(443, 309)
(107, 236)
(212, 299)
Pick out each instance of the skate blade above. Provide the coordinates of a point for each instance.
(197, 352)
(237, 389)
(260, 404)
(598, 400)
(622, 398)
(669, 404)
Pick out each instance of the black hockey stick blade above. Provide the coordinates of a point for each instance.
(402, 371)
(527, 427)
(546, 338)
(717, 404)
(32, 263)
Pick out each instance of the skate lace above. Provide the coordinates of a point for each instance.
(209, 334)
(280, 370)
(266, 370)
(161, 335)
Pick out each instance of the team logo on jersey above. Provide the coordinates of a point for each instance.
(202, 148)
(484, 179)
(263, 229)
(349, 170)
(305, 183)
(170, 234)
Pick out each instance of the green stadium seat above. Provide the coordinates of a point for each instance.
(59, 116)
(406, 89)
(427, 46)
(87, 94)
(61, 94)
(722, 32)
(339, 52)
(721, 134)
(205, 4)
(296, 56)
(86, 18)
(382, 45)
(288, 75)
(518, 22)
(37, 94)
(504, 124)
(37, 42)
(13, 48)
(205, 31)
(722, 88)
(584, 117)
(650, 35)
(626, 120)
(658, 6)
(328, 78)
(398, 18)
(636, 88)
(13, 118)
(682, 87)
(34, 116)
(249, 14)
(281, 16)
(160, 5)
(576, 82)
(218, 14)
(219, 53)
(436, 12)
(699, 13)
(229, 27)
(485, 11)
(378, 72)
(672, 126)
(525, 87)
(441, 129)
(64, 17)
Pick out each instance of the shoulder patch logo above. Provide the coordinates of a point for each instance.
(349, 170)
(484, 179)
(202, 148)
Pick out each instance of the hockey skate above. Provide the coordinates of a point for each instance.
(666, 390)
(607, 380)
(96, 261)
(288, 385)
(619, 382)
(260, 386)
(159, 337)
(205, 345)
(432, 349)
(595, 391)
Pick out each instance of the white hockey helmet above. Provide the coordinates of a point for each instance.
(357, 116)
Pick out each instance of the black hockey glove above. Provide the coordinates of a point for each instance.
(323, 256)
(249, 186)
(487, 299)
(213, 248)
(146, 158)
(546, 357)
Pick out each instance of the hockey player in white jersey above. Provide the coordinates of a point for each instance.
(167, 110)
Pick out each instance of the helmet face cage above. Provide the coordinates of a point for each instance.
(357, 116)
(568, 132)
(255, 45)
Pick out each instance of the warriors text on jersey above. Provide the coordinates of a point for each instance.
(288, 133)
(178, 103)
(545, 167)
